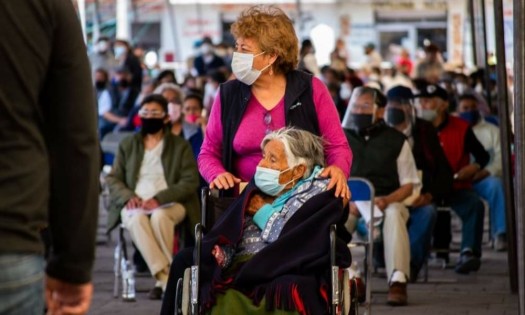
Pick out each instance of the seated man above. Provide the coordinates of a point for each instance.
(269, 250)
(433, 165)
(458, 142)
(123, 98)
(487, 182)
(152, 187)
(383, 156)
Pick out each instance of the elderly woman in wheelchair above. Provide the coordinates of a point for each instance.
(269, 251)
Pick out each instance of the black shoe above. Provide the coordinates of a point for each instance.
(155, 293)
(414, 273)
(467, 263)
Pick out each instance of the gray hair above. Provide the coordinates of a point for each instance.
(170, 86)
(300, 147)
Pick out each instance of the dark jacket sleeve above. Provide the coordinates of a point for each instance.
(439, 180)
(71, 136)
(475, 148)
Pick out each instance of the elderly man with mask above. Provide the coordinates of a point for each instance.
(487, 182)
(431, 161)
(383, 155)
(459, 143)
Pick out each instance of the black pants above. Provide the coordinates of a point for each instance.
(181, 261)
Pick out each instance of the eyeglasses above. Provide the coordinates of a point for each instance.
(268, 120)
(151, 114)
(363, 107)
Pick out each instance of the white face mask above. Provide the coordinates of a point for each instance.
(242, 67)
(206, 49)
(102, 47)
(119, 51)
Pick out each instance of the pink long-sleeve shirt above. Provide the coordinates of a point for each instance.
(252, 129)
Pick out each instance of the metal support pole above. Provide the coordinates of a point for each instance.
(82, 15)
(519, 119)
(123, 31)
(486, 54)
(505, 132)
(173, 25)
(299, 6)
(473, 31)
(96, 20)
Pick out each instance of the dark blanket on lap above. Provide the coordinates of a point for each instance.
(291, 273)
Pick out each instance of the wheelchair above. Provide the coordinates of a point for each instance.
(343, 288)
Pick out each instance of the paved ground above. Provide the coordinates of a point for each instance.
(486, 292)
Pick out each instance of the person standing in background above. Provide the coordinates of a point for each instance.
(126, 59)
(307, 61)
(102, 57)
(49, 164)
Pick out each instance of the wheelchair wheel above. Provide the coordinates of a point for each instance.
(185, 301)
(178, 297)
(346, 298)
(349, 295)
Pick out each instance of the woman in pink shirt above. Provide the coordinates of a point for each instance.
(268, 94)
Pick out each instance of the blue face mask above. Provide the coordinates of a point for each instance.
(267, 180)
(472, 117)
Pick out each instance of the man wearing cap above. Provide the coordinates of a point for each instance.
(431, 161)
(487, 182)
(459, 143)
(383, 156)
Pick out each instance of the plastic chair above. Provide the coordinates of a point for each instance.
(110, 143)
(363, 190)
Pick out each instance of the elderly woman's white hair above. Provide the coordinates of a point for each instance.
(170, 86)
(300, 147)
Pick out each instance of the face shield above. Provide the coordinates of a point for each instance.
(400, 113)
(361, 111)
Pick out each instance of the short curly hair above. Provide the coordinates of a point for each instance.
(273, 30)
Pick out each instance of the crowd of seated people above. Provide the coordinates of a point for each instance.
(430, 133)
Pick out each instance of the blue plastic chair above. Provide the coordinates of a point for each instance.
(363, 190)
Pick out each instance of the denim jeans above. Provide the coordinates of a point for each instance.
(420, 229)
(470, 209)
(21, 284)
(491, 189)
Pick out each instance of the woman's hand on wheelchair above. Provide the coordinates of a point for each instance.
(337, 180)
(224, 181)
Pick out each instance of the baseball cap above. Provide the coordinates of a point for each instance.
(433, 90)
(398, 93)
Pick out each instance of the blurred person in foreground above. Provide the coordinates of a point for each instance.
(268, 94)
(50, 160)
